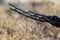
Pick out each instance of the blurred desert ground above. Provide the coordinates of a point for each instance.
(17, 27)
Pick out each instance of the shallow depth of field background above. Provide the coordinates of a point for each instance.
(14, 26)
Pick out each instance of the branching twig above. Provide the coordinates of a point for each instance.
(54, 20)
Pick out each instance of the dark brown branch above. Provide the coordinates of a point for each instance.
(54, 20)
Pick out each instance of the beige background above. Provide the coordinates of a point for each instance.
(17, 27)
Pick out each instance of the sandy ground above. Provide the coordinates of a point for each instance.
(14, 26)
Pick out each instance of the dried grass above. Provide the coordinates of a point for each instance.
(17, 27)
